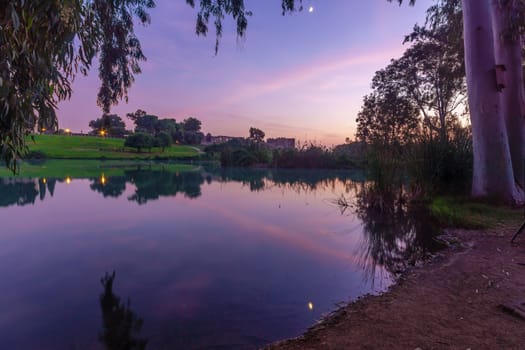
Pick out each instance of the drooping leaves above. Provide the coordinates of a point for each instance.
(216, 11)
(44, 44)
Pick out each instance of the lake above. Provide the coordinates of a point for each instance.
(204, 258)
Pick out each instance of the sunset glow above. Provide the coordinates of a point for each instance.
(293, 76)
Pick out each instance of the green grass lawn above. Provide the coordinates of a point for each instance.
(91, 147)
(467, 213)
(77, 169)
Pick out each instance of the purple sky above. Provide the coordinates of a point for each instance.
(301, 75)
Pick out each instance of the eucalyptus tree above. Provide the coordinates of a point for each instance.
(431, 80)
(44, 44)
(492, 32)
(432, 71)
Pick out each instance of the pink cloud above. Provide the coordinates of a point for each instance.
(311, 70)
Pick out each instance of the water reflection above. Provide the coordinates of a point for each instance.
(231, 258)
(121, 325)
(109, 187)
(298, 181)
(18, 192)
(396, 232)
(150, 185)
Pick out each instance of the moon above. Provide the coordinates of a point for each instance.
(311, 9)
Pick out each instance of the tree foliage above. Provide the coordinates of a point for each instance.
(256, 135)
(163, 140)
(139, 141)
(188, 131)
(387, 119)
(191, 124)
(431, 71)
(146, 124)
(410, 120)
(108, 124)
(44, 44)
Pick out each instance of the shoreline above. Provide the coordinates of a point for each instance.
(468, 296)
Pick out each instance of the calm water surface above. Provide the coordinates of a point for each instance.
(207, 259)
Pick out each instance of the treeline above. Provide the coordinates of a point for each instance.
(412, 122)
(150, 130)
(253, 152)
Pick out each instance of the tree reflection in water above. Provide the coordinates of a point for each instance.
(121, 325)
(109, 187)
(150, 185)
(396, 232)
(18, 192)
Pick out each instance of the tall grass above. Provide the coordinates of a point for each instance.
(426, 166)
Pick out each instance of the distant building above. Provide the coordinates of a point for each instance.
(281, 143)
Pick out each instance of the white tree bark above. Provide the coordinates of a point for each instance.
(493, 175)
(508, 52)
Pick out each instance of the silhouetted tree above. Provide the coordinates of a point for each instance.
(191, 124)
(256, 135)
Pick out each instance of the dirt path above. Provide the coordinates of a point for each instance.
(452, 302)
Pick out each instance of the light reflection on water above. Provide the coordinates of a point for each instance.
(231, 258)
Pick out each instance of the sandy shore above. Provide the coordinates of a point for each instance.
(472, 295)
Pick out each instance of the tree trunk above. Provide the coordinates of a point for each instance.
(493, 174)
(508, 53)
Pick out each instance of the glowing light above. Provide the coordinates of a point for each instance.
(103, 179)
(311, 9)
(102, 132)
(68, 180)
(44, 180)
(43, 129)
(310, 306)
(68, 131)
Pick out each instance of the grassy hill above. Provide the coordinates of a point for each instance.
(91, 147)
